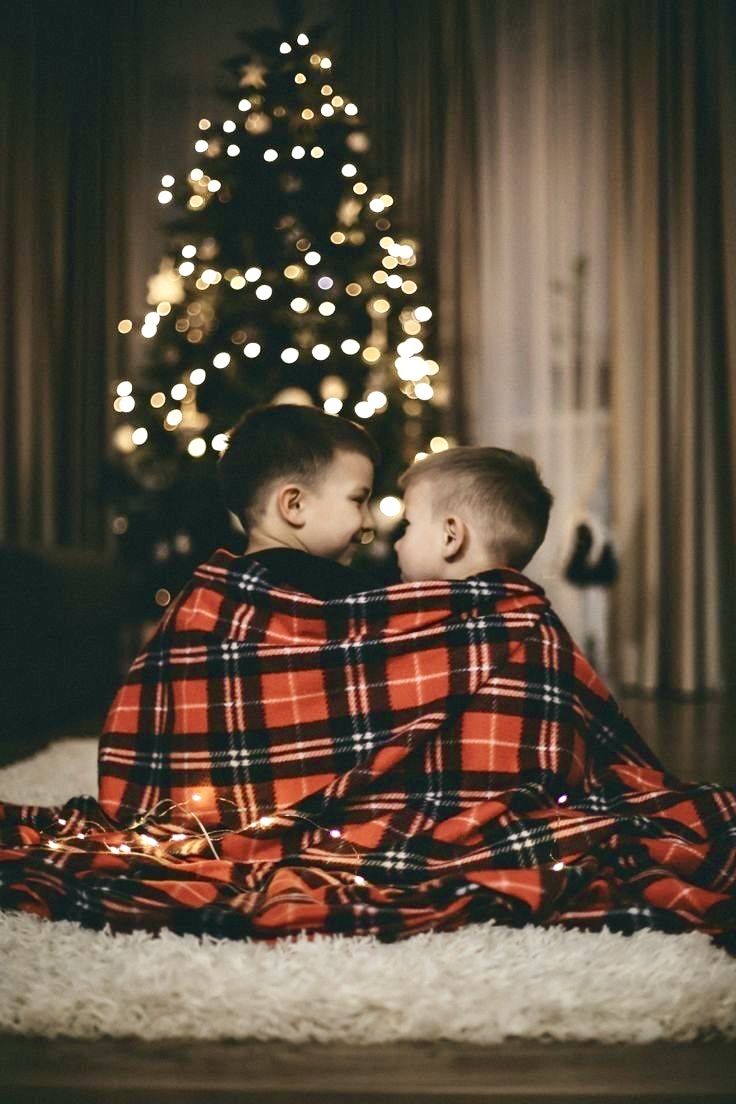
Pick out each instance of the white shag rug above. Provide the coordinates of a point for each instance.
(482, 984)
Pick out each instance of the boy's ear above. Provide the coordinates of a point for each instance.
(290, 504)
(454, 535)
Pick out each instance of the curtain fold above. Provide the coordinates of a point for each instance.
(673, 200)
(67, 139)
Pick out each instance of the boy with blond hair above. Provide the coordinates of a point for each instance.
(469, 510)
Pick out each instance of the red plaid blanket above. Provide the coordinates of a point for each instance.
(408, 758)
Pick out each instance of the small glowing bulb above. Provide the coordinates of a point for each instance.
(270, 155)
(438, 444)
(173, 418)
(364, 409)
(377, 399)
(198, 375)
(350, 346)
(390, 506)
(348, 170)
(326, 309)
(312, 257)
(252, 349)
(317, 151)
(307, 113)
(321, 352)
(360, 188)
(202, 145)
(422, 314)
(351, 109)
(558, 866)
(167, 181)
(325, 282)
(299, 305)
(204, 124)
(124, 387)
(196, 174)
(333, 405)
(125, 325)
(186, 268)
(221, 360)
(265, 821)
(233, 150)
(298, 152)
(562, 799)
(139, 436)
(244, 104)
(179, 391)
(284, 48)
(376, 204)
(228, 126)
(335, 833)
(197, 446)
(165, 196)
(424, 391)
(196, 797)
(360, 880)
(290, 355)
(127, 403)
(264, 292)
(327, 110)
(219, 442)
(252, 274)
(325, 63)
(302, 39)
(299, 78)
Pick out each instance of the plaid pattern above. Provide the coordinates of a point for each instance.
(408, 758)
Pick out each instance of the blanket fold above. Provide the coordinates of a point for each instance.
(408, 758)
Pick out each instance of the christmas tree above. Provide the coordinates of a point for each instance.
(284, 280)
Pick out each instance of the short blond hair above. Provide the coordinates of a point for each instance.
(501, 490)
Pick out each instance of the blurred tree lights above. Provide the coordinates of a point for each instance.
(284, 280)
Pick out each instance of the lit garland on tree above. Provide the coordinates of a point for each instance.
(286, 282)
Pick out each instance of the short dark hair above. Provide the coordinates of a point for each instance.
(503, 490)
(287, 440)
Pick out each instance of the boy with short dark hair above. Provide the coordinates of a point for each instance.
(299, 482)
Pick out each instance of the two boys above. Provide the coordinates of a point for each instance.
(299, 481)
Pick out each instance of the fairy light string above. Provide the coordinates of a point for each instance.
(156, 846)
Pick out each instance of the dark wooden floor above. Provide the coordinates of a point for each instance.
(697, 741)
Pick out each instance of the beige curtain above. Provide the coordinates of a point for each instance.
(570, 158)
(673, 266)
(500, 113)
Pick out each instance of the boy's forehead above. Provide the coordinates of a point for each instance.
(352, 467)
(417, 494)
